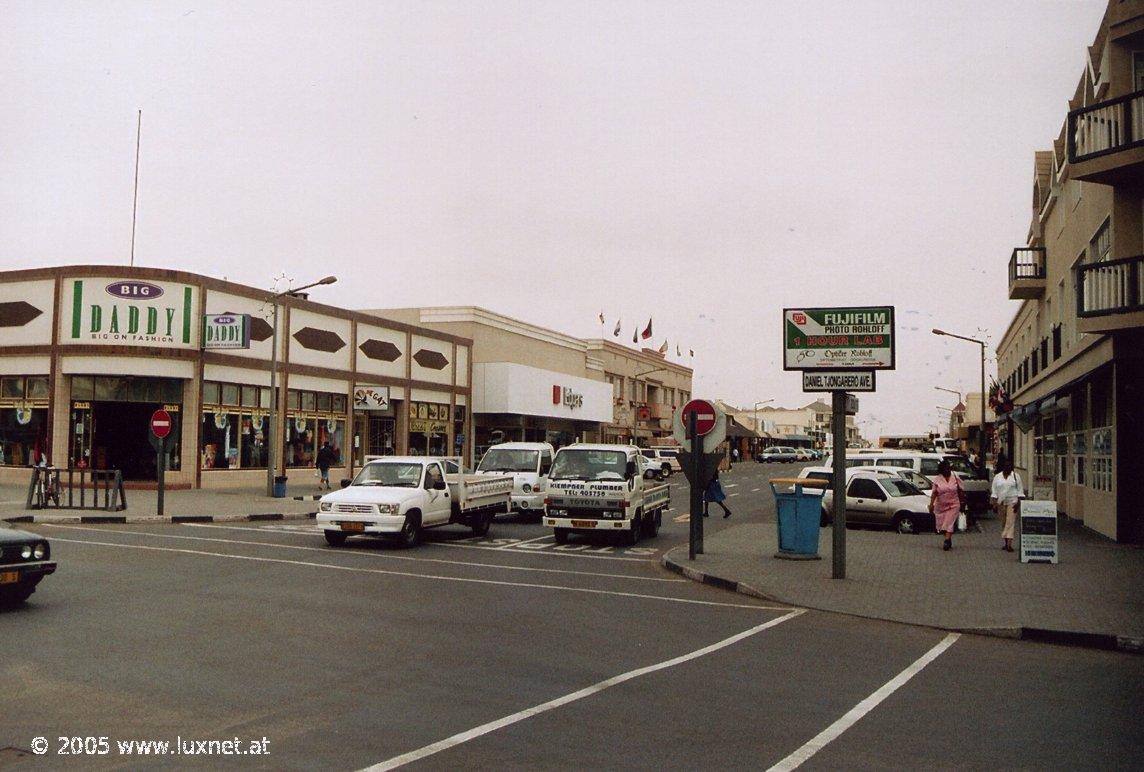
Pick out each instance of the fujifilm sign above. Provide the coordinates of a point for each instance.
(128, 312)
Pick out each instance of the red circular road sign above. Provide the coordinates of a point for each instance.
(160, 423)
(704, 416)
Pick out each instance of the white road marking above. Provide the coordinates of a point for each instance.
(574, 554)
(327, 551)
(731, 485)
(501, 723)
(855, 714)
(529, 541)
(754, 490)
(732, 495)
(683, 518)
(410, 575)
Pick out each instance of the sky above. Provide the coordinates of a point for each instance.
(702, 164)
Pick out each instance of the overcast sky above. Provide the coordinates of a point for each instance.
(704, 163)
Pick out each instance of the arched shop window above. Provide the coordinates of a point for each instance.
(313, 418)
(23, 420)
(234, 422)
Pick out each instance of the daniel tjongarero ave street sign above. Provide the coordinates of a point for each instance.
(856, 338)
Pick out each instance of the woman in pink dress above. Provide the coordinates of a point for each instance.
(946, 501)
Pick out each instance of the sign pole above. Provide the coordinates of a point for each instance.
(838, 418)
(696, 519)
(161, 466)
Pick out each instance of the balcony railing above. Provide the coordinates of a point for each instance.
(1027, 273)
(1110, 287)
(1106, 127)
(1027, 263)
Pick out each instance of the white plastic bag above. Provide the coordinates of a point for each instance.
(962, 522)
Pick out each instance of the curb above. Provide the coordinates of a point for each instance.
(123, 519)
(1103, 641)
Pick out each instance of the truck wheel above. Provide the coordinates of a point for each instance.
(481, 524)
(410, 535)
(652, 523)
(561, 535)
(632, 536)
(335, 538)
(666, 471)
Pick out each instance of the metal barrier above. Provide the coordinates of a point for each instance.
(54, 488)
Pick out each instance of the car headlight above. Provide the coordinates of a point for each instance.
(526, 488)
(26, 551)
(325, 506)
(40, 551)
(387, 509)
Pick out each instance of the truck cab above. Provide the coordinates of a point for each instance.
(528, 463)
(593, 488)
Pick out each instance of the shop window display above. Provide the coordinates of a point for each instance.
(233, 429)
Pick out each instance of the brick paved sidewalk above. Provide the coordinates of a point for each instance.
(1095, 595)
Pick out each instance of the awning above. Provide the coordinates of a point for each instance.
(736, 429)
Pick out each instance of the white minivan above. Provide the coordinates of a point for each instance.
(528, 463)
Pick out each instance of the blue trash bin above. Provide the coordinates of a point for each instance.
(799, 515)
(280, 487)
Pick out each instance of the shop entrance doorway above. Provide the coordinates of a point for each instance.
(120, 438)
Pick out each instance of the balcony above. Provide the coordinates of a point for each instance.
(1106, 140)
(1110, 295)
(1027, 273)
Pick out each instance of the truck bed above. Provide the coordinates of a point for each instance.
(478, 491)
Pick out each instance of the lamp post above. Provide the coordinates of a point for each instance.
(271, 440)
(636, 378)
(981, 437)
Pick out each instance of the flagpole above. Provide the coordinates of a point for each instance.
(135, 197)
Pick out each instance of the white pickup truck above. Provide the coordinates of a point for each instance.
(528, 463)
(593, 488)
(399, 496)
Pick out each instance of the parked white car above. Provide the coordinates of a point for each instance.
(528, 463)
(975, 483)
(882, 498)
(666, 459)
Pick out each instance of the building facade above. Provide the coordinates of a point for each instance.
(646, 391)
(89, 353)
(1072, 359)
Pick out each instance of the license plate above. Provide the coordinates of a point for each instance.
(9, 577)
(583, 523)
(353, 526)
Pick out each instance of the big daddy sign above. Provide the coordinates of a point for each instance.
(129, 312)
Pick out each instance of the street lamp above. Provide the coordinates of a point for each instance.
(636, 379)
(981, 437)
(271, 444)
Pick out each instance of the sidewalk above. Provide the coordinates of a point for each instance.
(1093, 597)
(178, 505)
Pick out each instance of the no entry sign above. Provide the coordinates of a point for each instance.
(161, 423)
(705, 415)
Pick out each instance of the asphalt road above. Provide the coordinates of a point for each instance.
(511, 652)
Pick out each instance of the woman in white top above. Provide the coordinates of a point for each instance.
(1006, 492)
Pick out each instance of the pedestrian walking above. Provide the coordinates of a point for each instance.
(734, 455)
(946, 502)
(1005, 495)
(714, 493)
(324, 460)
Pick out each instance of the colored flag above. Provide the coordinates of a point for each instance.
(678, 353)
(647, 330)
(690, 352)
(601, 317)
(636, 335)
(616, 332)
(663, 348)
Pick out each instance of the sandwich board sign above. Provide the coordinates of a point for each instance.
(1038, 531)
(849, 338)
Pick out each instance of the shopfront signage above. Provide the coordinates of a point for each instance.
(562, 395)
(841, 380)
(426, 426)
(851, 338)
(1038, 531)
(371, 398)
(228, 331)
(125, 312)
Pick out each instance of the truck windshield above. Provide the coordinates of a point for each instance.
(390, 474)
(505, 460)
(588, 465)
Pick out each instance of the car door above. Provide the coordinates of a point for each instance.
(865, 501)
(438, 503)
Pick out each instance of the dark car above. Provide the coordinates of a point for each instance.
(23, 563)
